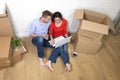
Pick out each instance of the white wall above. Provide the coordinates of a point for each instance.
(24, 11)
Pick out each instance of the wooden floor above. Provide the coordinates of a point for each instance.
(105, 65)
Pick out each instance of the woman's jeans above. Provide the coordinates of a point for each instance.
(62, 51)
(40, 42)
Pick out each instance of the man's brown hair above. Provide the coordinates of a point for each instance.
(46, 13)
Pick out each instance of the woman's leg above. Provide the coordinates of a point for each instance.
(38, 42)
(65, 56)
(64, 53)
(52, 58)
(47, 44)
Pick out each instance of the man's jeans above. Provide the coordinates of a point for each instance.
(40, 42)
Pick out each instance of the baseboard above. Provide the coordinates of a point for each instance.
(24, 34)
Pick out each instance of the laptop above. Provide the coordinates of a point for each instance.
(59, 41)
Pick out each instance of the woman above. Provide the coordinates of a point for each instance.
(58, 28)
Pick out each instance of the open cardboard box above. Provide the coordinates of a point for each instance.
(93, 25)
(93, 21)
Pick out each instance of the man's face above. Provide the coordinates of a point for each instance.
(47, 19)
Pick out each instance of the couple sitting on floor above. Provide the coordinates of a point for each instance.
(48, 27)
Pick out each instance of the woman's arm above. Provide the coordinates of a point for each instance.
(51, 40)
(51, 34)
(65, 29)
(51, 37)
(51, 30)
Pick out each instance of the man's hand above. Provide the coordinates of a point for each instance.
(45, 36)
(33, 35)
(52, 41)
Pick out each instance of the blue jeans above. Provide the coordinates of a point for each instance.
(39, 42)
(62, 51)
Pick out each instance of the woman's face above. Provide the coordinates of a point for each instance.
(57, 20)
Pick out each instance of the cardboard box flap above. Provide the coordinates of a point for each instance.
(79, 14)
(94, 16)
(93, 35)
(5, 47)
(95, 27)
(109, 22)
(6, 26)
(94, 13)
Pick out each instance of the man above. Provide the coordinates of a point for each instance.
(38, 32)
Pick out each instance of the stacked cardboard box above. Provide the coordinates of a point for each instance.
(8, 56)
(92, 28)
(5, 51)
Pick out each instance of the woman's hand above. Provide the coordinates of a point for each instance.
(66, 35)
(52, 42)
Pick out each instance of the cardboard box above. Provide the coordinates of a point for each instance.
(7, 57)
(93, 21)
(5, 39)
(5, 27)
(86, 45)
(74, 34)
(5, 51)
(93, 25)
(17, 54)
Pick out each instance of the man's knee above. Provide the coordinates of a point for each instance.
(37, 40)
(40, 40)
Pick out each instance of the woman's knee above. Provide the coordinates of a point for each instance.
(65, 47)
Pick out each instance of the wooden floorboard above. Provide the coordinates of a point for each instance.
(105, 65)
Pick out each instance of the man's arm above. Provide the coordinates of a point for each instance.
(32, 30)
(44, 36)
(33, 35)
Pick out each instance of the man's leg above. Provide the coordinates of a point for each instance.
(38, 42)
(47, 44)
